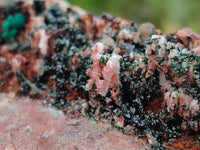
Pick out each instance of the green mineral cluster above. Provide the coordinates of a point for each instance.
(12, 25)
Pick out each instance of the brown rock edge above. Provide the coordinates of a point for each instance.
(27, 125)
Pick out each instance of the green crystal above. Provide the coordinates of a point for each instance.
(12, 25)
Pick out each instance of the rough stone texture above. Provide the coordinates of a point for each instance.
(26, 125)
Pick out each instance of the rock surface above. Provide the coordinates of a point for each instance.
(25, 124)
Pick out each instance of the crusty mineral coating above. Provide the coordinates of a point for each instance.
(174, 98)
(115, 66)
(109, 72)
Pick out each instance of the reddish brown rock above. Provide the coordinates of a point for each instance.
(24, 124)
(189, 38)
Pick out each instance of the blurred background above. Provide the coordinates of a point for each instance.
(167, 15)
